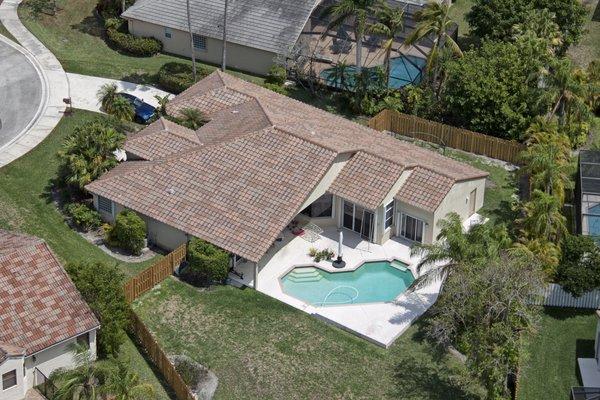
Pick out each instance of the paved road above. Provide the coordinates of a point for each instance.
(20, 93)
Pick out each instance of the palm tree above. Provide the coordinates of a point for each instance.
(125, 384)
(192, 118)
(339, 75)
(356, 11)
(547, 159)
(107, 94)
(434, 21)
(390, 24)
(81, 383)
(455, 247)
(122, 109)
(192, 49)
(543, 219)
(162, 103)
(569, 86)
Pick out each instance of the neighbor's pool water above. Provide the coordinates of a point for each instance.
(372, 282)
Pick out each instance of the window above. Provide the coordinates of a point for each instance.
(168, 32)
(389, 215)
(105, 204)
(320, 208)
(358, 219)
(412, 228)
(9, 379)
(84, 340)
(199, 42)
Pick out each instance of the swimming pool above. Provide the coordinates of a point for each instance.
(372, 282)
(404, 70)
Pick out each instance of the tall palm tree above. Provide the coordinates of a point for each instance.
(192, 118)
(81, 383)
(547, 159)
(192, 49)
(125, 384)
(434, 21)
(543, 219)
(569, 86)
(122, 109)
(107, 94)
(390, 24)
(354, 11)
(455, 247)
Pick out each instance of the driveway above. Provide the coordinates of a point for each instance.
(20, 93)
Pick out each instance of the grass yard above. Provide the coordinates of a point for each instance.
(261, 348)
(25, 203)
(5, 32)
(458, 12)
(551, 355)
(75, 36)
(589, 47)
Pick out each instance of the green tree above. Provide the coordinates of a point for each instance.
(192, 118)
(124, 384)
(543, 218)
(340, 75)
(494, 89)
(540, 25)
(434, 21)
(84, 382)
(107, 95)
(128, 232)
(579, 267)
(88, 153)
(101, 285)
(122, 109)
(162, 104)
(207, 263)
(351, 11)
(390, 23)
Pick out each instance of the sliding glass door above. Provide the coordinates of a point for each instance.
(411, 228)
(358, 219)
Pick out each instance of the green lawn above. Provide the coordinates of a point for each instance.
(75, 36)
(589, 47)
(458, 11)
(551, 366)
(5, 32)
(25, 203)
(261, 348)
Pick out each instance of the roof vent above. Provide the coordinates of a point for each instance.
(235, 111)
(171, 191)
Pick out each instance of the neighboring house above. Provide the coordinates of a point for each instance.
(42, 315)
(589, 371)
(588, 193)
(265, 160)
(257, 30)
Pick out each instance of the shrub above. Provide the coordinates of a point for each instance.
(137, 46)
(277, 75)
(37, 7)
(176, 77)
(101, 285)
(128, 232)
(579, 268)
(325, 254)
(276, 88)
(207, 263)
(83, 216)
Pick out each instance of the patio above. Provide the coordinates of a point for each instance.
(380, 323)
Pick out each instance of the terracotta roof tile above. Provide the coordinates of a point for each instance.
(161, 139)
(424, 189)
(39, 305)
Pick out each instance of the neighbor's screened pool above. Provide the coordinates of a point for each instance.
(372, 282)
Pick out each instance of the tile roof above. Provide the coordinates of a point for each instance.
(39, 305)
(250, 126)
(366, 180)
(8, 350)
(270, 25)
(239, 195)
(424, 189)
(160, 139)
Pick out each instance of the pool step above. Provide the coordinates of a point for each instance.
(308, 274)
(399, 265)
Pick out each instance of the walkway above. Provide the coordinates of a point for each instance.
(55, 86)
(84, 89)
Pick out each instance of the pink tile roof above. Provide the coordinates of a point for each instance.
(39, 305)
(424, 189)
(160, 139)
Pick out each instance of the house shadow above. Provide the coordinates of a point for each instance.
(351, 239)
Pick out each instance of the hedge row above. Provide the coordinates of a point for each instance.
(137, 46)
(176, 77)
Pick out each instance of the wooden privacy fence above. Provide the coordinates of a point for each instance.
(554, 295)
(153, 275)
(462, 139)
(160, 359)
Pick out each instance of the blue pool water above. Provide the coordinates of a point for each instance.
(372, 282)
(404, 70)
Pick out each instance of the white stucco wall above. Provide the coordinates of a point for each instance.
(16, 392)
(381, 234)
(163, 235)
(239, 57)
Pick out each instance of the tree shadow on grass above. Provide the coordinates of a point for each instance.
(141, 78)
(564, 313)
(90, 25)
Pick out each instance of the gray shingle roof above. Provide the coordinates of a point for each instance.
(271, 25)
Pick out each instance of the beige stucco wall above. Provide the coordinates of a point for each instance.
(164, 236)
(244, 58)
(419, 213)
(381, 234)
(457, 200)
(16, 392)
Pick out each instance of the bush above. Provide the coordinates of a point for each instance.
(276, 88)
(579, 268)
(128, 232)
(207, 263)
(176, 77)
(101, 285)
(83, 216)
(137, 46)
(277, 75)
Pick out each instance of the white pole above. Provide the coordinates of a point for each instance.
(340, 244)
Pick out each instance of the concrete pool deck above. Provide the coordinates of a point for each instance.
(380, 323)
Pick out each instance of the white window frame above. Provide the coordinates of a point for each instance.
(168, 32)
(389, 219)
(199, 39)
(401, 226)
(112, 205)
(14, 371)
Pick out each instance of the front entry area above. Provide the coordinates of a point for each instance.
(358, 219)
